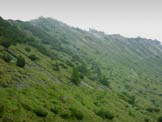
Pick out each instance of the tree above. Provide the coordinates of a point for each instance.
(20, 61)
(75, 78)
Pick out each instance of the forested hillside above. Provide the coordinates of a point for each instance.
(52, 72)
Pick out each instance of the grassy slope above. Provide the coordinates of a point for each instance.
(133, 67)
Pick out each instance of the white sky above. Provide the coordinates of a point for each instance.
(130, 18)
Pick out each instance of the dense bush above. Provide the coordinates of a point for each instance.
(28, 49)
(81, 76)
(7, 119)
(6, 57)
(104, 81)
(160, 119)
(5, 43)
(69, 63)
(105, 114)
(43, 50)
(66, 114)
(63, 65)
(40, 112)
(33, 57)
(55, 67)
(75, 78)
(153, 109)
(83, 69)
(20, 61)
(146, 120)
(55, 110)
(132, 100)
(1, 110)
(26, 106)
(78, 114)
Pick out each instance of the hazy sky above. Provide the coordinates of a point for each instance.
(130, 18)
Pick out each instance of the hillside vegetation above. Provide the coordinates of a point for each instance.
(51, 72)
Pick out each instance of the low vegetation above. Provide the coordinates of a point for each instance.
(71, 75)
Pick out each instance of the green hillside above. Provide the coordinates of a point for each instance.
(51, 72)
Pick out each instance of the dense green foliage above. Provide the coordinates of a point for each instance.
(33, 57)
(116, 79)
(105, 114)
(6, 57)
(28, 49)
(1, 110)
(5, 43)
(40, 112)
(104, 81)
(11, 34)
(20, 61)
(160, 119)
(75, 78)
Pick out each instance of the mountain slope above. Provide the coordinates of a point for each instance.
(120, 78)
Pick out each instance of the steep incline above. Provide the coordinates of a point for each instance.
(120, 78)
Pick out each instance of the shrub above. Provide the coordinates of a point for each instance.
(153, 109)
(40, 112)
(56, 67)
(33, 57)
(104, 81)
(132, 100)
(63, 65)
(1, 110)
(83, 69)
(160, 119)
(105, 114)
(146, 120)
(26, 103)
(43, 50)
(81, 76)
(20, 61)
(69, 63)
(26, 106)
(55, 109)
(75, 78)
(6, 57)
(5, 44)
(66, 115)
(78, 114)
(28, 49)
(7, 119)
